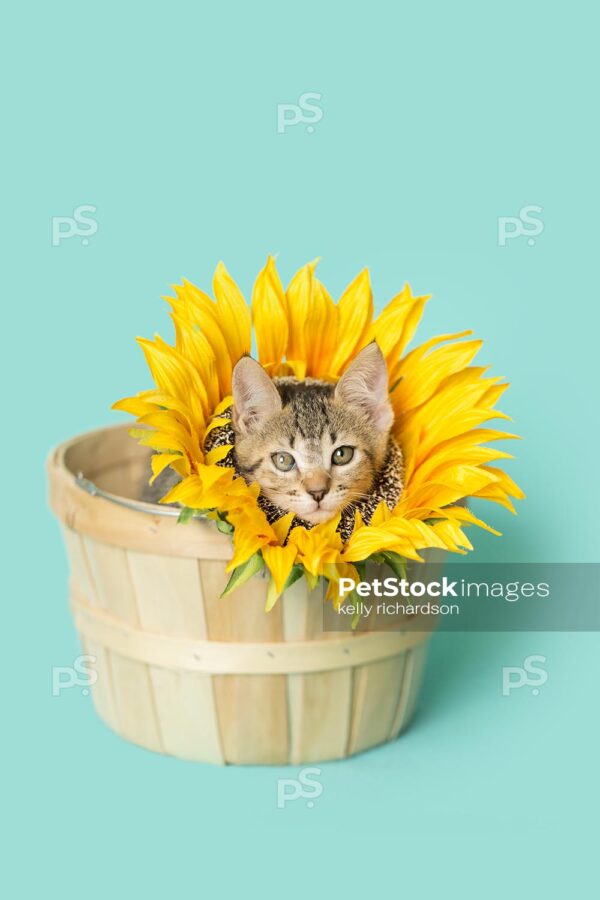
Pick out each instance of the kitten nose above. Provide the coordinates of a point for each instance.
(316, 483)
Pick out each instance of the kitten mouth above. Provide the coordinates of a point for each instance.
(318, 514)
(314, 514)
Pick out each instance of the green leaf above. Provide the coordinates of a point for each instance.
(396, 563)
(272, 596)
(225, 527)
(311, 580)
(188, 512)
(185, 515)
(361, 568)
(296, 573)
(243, 573)
(356, 601)
(377, 558)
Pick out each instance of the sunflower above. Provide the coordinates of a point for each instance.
(442, 406)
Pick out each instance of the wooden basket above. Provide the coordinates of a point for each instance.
(183, 672)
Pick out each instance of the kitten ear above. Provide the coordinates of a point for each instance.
(255, 397)
(365, 384)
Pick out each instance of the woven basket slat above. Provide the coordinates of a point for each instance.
(131, 680)
(320, 715)
(178, 579)
(409, 690)
(252, 712)
(376, 690)
(186, 709)
(168, 590)
(102, 691)
(241, 615)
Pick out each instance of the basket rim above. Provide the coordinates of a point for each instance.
(132, 524)
(155, 509)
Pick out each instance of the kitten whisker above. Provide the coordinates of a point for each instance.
(355, 496)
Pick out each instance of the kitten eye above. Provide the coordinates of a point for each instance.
(342, 456)
(283, 461)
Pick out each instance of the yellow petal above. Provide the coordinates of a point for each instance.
(217, 454)
(495, 494)
(269, 315)
(355, 311)
(394, 327)
(443, 461)
(317, 546)
(281, 527)
(233, 313)
(382, 514)
(147, 437)
(246, 545)
(204, 490)
(419, 380)
(194, 346)
(465, 515)
(299, 301)
(136, 406)
(321, 332)
(216, 422)
(279, 561)
(225, 403)
(175, 376)
(505, 482)
(366, 541)
(297, 368)
(333, 572)
(197, 307)
(168, 422)
(252, 532)
(459, 482)
(160, 461)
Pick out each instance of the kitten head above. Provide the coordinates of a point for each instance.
(313, 447)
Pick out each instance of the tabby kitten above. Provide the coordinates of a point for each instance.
(314, 448)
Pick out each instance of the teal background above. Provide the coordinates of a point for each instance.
(437, 119)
